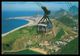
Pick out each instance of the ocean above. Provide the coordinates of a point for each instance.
(10, 24)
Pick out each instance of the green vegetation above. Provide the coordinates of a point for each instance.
(70, 48)
(67, 21)
(23, 52)
(59, 34)
(27, 37)
(7, 41)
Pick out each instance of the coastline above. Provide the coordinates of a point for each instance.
(32, 49)
(30, 20)
(38, 50)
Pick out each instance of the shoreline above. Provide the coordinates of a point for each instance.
(38, 50)
(32, 49)
(31, 22)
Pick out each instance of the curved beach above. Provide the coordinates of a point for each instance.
(38, 50)
(32, 21)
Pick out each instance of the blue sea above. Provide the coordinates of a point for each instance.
(10, 24)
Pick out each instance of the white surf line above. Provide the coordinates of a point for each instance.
(31, 22)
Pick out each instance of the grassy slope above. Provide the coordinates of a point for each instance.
(59, 34)
(23, 52)
(70, 48)
(67, 21)
(8, 40)
(27, 31)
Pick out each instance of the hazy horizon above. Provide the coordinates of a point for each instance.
(33, 6)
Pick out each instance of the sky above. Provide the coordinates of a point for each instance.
(35, 6)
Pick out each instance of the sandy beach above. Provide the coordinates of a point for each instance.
(38, 50)
(33, 49)
(32, 21)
